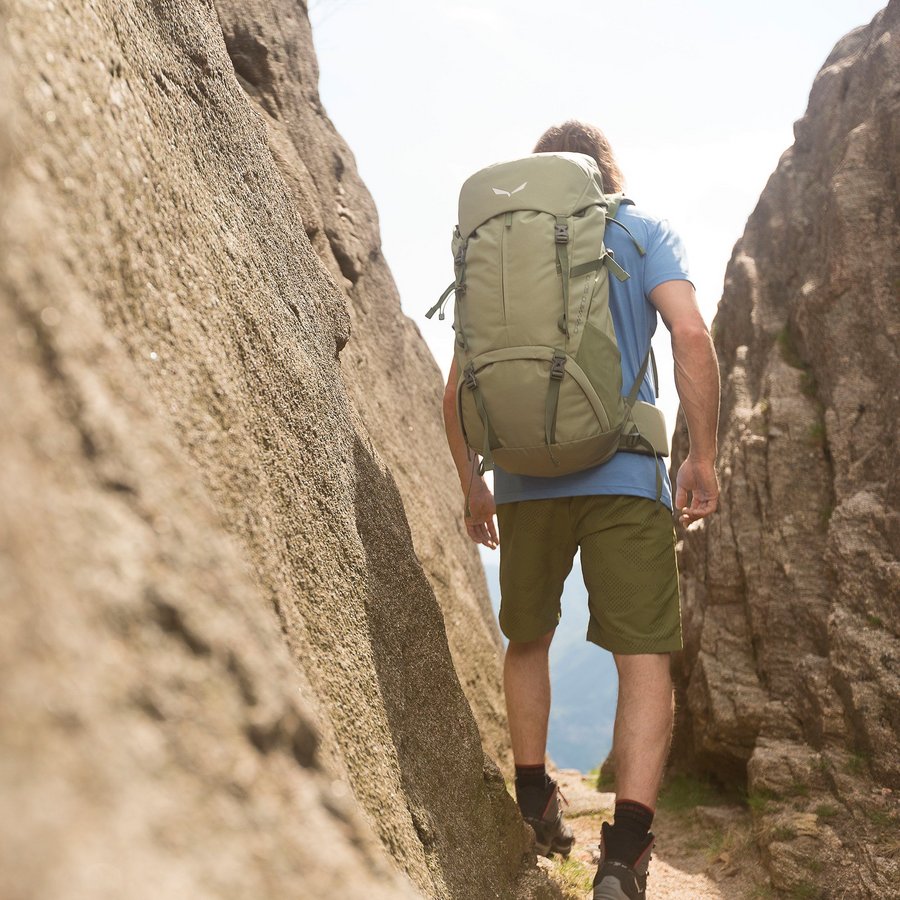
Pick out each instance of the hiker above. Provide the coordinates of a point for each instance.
(619, 512)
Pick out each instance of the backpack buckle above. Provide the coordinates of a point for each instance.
(561, 232)
(557, 367)
(469, 378)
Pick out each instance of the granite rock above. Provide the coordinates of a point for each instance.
(790, 678)
(224, 671)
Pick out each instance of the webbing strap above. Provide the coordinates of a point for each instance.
(460, 269)
(592, 265)
(655, 373)
(636, 440)
(610, 262)
(441, 301)
(633, 393)
(469, 488)
(487, 458)
(637, 244)
(458, 284)
(562, 258)
(557, 371)
(639, 440)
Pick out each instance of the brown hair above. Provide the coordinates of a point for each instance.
(579, 137)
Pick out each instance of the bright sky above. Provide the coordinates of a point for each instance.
(697, 99)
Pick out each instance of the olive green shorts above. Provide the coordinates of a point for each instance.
(627, 559)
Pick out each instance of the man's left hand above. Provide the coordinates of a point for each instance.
(480, 525)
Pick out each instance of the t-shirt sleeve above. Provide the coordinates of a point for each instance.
(666, 258)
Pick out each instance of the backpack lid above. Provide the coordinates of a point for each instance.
(557, 183)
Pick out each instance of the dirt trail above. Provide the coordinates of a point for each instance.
(701, 853)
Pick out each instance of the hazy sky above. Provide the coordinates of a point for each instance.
(697, 98)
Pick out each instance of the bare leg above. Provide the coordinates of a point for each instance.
(526, 680)
(643, 729)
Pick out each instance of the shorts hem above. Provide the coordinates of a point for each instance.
(634, 648)
(538, 633)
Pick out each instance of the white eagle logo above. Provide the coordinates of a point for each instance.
(500, 191)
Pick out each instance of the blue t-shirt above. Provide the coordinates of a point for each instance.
(635, 319)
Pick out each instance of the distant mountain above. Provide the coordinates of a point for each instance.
(582, 676)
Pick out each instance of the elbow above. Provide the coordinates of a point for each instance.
(692, 332)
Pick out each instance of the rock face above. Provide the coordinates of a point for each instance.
(387, 369)
(791, 672)
(223, 670)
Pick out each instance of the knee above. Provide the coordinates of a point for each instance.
(537, 645)
(645, 672)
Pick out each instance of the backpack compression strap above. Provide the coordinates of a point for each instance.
(633, 393)
(487, 457)
(557, 371)
(458, 285)
(561, 235)
(608, 260)
(442, 302)
(567, 272)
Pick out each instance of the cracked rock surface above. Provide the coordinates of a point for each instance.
(790, 677)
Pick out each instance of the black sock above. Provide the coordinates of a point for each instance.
(630, 828)
(531, 776)
(531, 790)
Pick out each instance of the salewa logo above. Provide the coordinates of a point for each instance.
(500, 191)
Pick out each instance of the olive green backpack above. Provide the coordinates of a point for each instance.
(540, 375)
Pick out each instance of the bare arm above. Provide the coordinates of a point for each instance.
(480, 524)
(697, 383)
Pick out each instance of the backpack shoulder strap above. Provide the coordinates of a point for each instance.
(613, 202)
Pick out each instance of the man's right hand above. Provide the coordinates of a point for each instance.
(697, 382)
(699, 480)
(480, 524)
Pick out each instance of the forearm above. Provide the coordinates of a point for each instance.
(480, 507)
(697, 383)
(463, 458)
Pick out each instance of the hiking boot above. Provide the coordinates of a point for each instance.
(541, 809)
(616, 880)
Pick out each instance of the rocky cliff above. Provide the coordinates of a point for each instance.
(223, 669)
(790, 678)
(387, 369)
